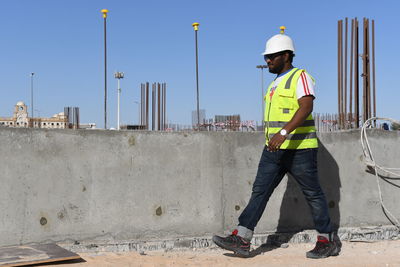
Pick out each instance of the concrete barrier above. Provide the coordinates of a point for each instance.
(60, 185)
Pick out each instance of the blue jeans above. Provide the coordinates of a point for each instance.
(302, 165)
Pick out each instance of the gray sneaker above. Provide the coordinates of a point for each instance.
(233, 243)
(325, 248)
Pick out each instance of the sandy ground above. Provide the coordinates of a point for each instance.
(384, 253)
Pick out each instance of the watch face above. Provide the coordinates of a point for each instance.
(283, 132)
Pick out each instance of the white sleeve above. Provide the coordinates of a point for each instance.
(305, 86)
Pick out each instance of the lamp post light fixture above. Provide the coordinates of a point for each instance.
(32, 73)
(118, 76)
(104, 12)
(262, 67)
(196, 28)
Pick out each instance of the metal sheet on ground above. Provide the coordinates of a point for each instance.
(34, 254)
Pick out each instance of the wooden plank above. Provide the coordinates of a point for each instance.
(34, 254)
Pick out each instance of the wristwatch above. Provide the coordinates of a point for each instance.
(283, 132)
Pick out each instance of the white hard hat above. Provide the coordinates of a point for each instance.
(278, 43)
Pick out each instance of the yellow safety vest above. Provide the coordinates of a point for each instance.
(280, 109)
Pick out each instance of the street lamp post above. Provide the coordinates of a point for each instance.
(196, 28)
(32, 73)
(118, 76)
(104, 12)
(262, 67)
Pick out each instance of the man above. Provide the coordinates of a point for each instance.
(291, 147)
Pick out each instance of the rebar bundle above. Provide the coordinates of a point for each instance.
(158, 106)
(347, 99)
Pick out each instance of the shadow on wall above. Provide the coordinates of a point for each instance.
(295, 215)
(330, 182)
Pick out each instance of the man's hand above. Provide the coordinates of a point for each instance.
(275, 142)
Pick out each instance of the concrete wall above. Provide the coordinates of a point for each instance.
(59, 185)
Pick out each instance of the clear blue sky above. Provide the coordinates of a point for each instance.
(62, 42)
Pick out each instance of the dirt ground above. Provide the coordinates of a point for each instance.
(383, 253)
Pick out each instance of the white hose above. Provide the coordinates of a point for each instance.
(370, 161)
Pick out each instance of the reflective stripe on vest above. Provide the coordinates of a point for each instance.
(283, 123)
(279, 110)
(289, 81)
(299, 136)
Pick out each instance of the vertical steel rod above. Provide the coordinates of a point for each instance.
(345, 76)
(165, 105)
(373, 66)
(339, 70)
(356, 75)
(158, 106)
(147, 105)
(351, 74)
(161, 106)
(142, 104)
(161, 97)
(341, 76)
(153, 106)
(365, 96)
(368, 72)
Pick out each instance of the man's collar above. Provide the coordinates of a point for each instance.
(283, 73)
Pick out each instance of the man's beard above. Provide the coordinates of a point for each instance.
(272, 71)
(275, 70)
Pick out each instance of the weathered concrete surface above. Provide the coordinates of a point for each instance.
(60, 185)
(358, 234)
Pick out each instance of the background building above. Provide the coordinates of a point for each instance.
(21, 119)
(202, 113)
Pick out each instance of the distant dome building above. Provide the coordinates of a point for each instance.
(21, 119)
